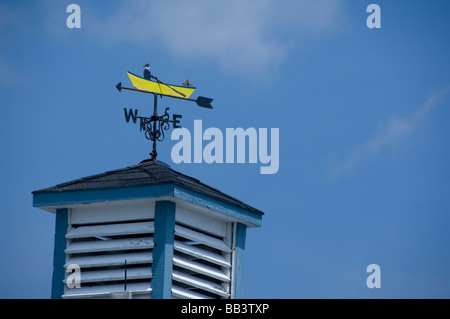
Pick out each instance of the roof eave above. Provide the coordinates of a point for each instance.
(52, 200)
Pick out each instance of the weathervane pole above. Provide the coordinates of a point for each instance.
(153, 154)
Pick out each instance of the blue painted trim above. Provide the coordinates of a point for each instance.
(214, 204)
(101, 195)
(163, 251)
(59, 256)
(147, 191)
(238, 261)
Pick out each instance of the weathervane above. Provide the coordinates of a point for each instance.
(155, 125)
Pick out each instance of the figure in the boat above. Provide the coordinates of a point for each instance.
(187, 84)
(147, 74)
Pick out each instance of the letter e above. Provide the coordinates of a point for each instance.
(176, 120)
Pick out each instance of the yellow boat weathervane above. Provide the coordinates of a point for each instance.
(155, 125)
(147, 85)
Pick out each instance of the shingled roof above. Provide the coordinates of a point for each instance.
(145, 173)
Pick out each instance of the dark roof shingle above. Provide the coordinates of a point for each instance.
(145, 173)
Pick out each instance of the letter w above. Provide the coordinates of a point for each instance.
(130, 114)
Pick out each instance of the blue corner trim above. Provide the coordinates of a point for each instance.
(238, 260)
(59, 256)
(163, 250)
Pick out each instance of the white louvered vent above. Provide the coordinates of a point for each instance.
(100, 250)
(201, 264)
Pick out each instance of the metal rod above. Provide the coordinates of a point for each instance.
(125, 286)
(201, 101)
(184, 95)
(155, 105)
(153, 154)
(176, 97)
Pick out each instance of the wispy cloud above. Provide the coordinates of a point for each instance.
(246, 38)
(390, 133)
(240, 36)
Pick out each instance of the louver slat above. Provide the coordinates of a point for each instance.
(104, 290)
(200, 268)
(114, 275)
(199, 283)
(201, 238)
(111, 230)
(100, 250)
(201, 253)
(182, 293)
(133, 258)
(109, 245)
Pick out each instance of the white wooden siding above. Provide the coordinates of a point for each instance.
(182, 293)
(200, 283)
(200, 268)
(111, 230)
(113, 212)
(204, 254)
(203, 221)
(99, 276)
(137, 258)
(201, 238)
(104, 291)
(201, 263)
(98, 245)
(100, 239)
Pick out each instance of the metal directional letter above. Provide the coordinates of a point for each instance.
(155, 125)
(130, 114)
(175, 122)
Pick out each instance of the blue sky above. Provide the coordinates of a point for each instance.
(363, 117)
